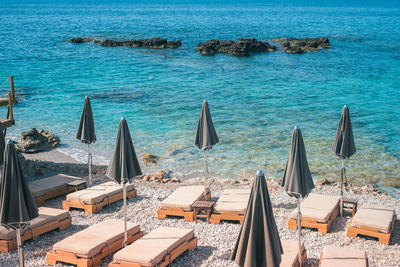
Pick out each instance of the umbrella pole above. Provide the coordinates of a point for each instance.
(90, 165)
(299, 227)
(125, 226)
(341, 187)
(20, 253)
(205, 175)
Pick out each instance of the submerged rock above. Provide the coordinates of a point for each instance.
(150, 158)
(300, 46)
(80, 40)
(34, 141)
(155, 43)
(242, 47)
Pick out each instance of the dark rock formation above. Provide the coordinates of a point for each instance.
(300, 46)
(155, 43)
(80, 40)
(150, 158)
(242, 47)
(33, 141)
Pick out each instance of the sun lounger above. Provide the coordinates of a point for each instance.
(231, 205)
(158, 248)
(49, 219)
(93, 199)
(180, 202)
(343, 257)
(88, 247)
(374, 221)
(291, 253)
(54, 186)
(317, 211)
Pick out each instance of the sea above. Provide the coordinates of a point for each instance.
(255, 101)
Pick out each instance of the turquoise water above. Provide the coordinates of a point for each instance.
(254, 101)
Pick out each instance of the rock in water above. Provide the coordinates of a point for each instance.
(155, 43)
(80, 40)
(301, 46)
(150, 158)
(34, 141)
(241, 48)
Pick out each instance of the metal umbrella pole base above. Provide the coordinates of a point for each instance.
(125, 222)
(342, 174)
(205, 175)
(20, 252)
(90, 165)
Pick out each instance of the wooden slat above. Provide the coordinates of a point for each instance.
(5, 123)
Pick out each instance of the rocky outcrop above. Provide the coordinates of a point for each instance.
(150, 158)
(34, 141)
(301, 46)
(80, 40)
(163, 176)
(155, 43)
(242, 47)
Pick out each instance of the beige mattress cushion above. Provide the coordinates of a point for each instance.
(183, 197)
(42, 186)
(374, 216)
(233, 200)
(318, 207)
(290, 252)
(343, 257)
(89, 242)
(152, 248)
(46, 215)
(98, 193)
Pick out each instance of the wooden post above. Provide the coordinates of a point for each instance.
(12, 89)
(10, 106)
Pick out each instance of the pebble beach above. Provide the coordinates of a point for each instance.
(215, 242)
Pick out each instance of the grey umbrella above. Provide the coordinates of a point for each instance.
(2, 145)
(343, 146)
(124, 164)
(86, 132)
(297, 180)
(258, 243)
(206, 137)
(17, 207)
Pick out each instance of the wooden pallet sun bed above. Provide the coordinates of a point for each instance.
(318, 212)
(59, 256)
(368, 230)
(158, 248)
(34, 232)
(91, 207)
(231, 206)
(179, 202)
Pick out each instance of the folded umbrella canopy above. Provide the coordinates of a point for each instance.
(297, 180)
(206, 137)
(2, 145)
(258, 243)
(86, 132)
(17, 207)
(343, 146)
(124, 164)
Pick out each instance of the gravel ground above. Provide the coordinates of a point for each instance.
(215, 242)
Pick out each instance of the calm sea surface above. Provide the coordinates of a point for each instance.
(255, 102)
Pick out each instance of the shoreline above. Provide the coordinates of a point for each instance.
(59, 157)
(214, 245)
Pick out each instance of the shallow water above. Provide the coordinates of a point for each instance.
(254, 101)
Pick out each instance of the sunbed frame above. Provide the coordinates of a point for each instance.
(186, 246)
(311, 223)
(58, 192)
(53, 257)
(216, 218)
(322, 254)
(188, 215)
(303, 259)
(9, 245)
(94, 208)
(383, 238)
